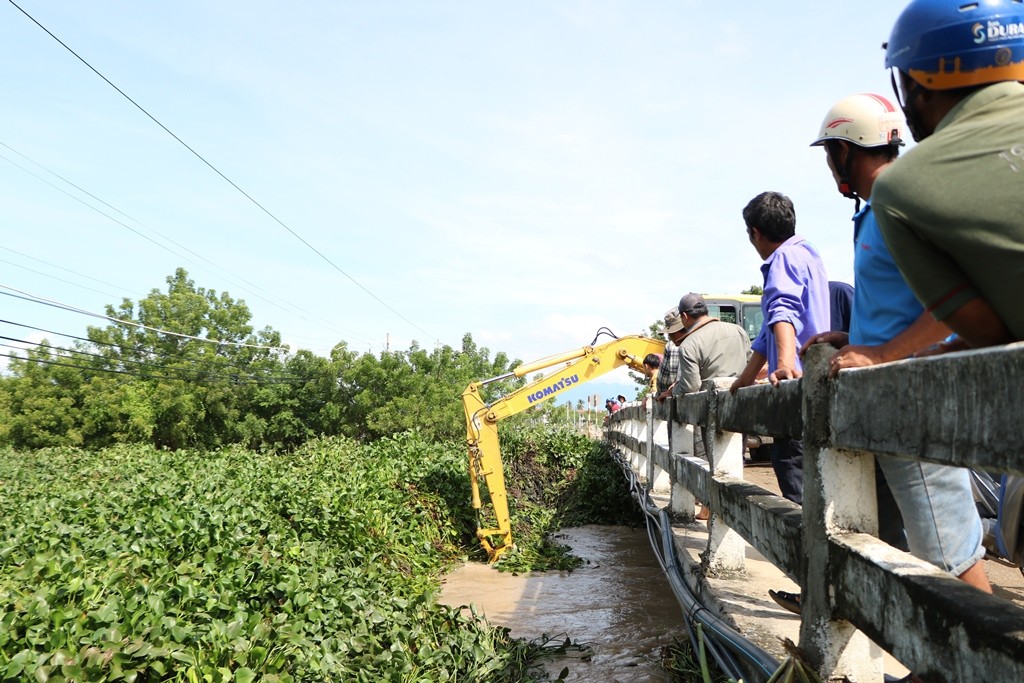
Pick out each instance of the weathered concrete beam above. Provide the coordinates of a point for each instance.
(630, 443)
(960, 409)
(926, 618)
(762, 409)
(662, 457)
(768, 522)
(634, 412)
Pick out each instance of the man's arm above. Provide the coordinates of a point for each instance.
(933, 274)
(688, 376)
(749, 374)
(923, 332)
(978, 324)
(785, 343)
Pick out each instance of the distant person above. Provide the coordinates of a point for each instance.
(622, 400)
(795, 305)
(670, 359)
(650, 366)
(952, 210)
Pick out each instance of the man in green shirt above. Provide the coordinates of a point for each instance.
(952, 209)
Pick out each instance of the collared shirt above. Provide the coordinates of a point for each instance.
(796, 292)
(716, 349)
(669, 366)
(951, 209)
(883, 304)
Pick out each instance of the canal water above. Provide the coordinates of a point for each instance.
(619, 603)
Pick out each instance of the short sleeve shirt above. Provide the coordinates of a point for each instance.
(795, 291)
(883, 304)
(952, 209)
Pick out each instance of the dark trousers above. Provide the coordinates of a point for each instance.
(788, 462)
(890, 521)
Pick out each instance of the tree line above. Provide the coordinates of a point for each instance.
(218, 381)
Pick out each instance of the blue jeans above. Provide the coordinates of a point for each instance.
(939, 515)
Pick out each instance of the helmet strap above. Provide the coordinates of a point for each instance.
(909, 113)
(843, 171)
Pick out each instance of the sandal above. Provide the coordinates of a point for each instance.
(789, 601)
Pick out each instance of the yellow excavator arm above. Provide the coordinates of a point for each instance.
(581, 365)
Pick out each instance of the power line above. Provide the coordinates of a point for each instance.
(56, 304)
(115, 371)
(53, 277)
(66, 270)
(121, 359)
(218, 172)
(280, 379)
(159, 234)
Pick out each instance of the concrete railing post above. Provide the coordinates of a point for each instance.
(839, 495)
(726, 550)
(681, 501)
(635, 428)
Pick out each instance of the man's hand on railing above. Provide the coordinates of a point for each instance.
(856, 356)
(783, 373)
(836, 339)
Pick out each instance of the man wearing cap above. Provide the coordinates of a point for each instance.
(710, 347)
(670, 361)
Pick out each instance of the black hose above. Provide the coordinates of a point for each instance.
(723, 642)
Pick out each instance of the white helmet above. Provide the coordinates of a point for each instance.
(866, 120)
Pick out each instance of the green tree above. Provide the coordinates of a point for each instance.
(754, 289)
(44, 394)
(134, 382)
(415, 389)
(198, 380)
(184, 368)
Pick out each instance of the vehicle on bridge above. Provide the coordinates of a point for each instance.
(580, 365)
(741, 309)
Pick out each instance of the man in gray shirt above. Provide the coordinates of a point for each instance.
(710, 347)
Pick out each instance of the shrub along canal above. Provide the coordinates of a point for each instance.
(618, 603)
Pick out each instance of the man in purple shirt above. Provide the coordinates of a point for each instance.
(796, 307)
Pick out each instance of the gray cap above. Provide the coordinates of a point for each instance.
(693, 304)
(673, 321)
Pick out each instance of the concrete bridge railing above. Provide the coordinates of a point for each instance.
(964, 409)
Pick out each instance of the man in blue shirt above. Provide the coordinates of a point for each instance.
(861, 137)
(796, 307)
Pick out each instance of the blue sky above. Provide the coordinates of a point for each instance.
(526, 172)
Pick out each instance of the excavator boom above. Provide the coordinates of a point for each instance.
(578, 366)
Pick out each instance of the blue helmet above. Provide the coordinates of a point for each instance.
(946, 44)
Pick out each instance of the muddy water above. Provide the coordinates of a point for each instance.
(618, 603)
